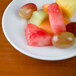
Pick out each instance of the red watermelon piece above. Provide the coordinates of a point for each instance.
(56, 18)
(37, 37)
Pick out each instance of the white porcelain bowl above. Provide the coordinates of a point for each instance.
(14, 30)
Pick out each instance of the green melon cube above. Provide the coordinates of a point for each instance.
(38, 17)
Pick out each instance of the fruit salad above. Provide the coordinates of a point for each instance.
(50, 26)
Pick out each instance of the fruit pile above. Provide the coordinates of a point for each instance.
(51, 25)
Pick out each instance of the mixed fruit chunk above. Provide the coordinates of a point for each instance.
(47, 27)
(67, 6)
(50, 26)
(63, 40)
(45, 7)
(27, 10)
(56, 18)
(38, 17)
(37, 37)
(71, 27)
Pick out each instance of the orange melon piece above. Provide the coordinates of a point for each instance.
(45, 7)
(46, 26)
(66, 20)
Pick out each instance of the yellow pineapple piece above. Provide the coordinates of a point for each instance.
(67, 6)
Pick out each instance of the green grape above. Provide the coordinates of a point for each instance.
(63, 40)
(27, 10)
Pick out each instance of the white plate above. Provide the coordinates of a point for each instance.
(14, 30)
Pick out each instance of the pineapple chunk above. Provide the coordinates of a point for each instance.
(38, 17)
(67, 6)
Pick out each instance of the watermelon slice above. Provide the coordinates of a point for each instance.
(56, 18)
(37, 37)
